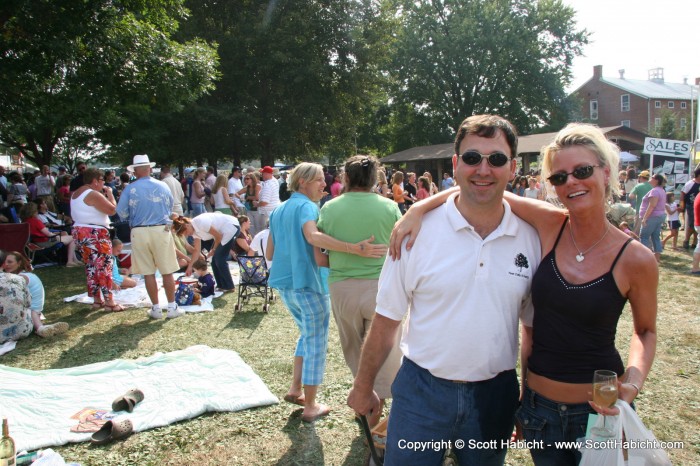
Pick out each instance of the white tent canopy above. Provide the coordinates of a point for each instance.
(627, 157)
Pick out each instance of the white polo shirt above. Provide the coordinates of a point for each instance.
(463, 294)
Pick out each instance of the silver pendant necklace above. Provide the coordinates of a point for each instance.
(581, 254)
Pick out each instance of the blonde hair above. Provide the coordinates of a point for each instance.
(397, 177)
(221, 181)
(304, 171)
(591, 138)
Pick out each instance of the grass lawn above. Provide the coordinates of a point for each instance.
(669, 405)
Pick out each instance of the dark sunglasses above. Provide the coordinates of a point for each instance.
(497, 159)
(580, 173)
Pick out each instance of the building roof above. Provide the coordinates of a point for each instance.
(653, 89)
(626, 138)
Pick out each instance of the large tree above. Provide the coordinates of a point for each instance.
(457, 58)
(296, 77)
(92, 66)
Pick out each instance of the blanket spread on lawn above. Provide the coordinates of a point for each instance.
(138, 296)
(178, 385)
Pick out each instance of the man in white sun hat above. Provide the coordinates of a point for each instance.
(147, 203)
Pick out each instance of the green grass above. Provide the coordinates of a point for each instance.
(670, 404)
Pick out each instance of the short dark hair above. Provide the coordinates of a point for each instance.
(697, 172)
(200, 264)
(486, 126)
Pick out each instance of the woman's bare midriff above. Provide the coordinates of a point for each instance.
(562, 392)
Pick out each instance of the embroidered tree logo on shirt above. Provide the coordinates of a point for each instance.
(521, 261)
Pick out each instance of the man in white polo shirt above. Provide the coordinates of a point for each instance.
(457, 381)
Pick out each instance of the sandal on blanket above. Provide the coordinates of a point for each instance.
(127, 401)
(112, 431)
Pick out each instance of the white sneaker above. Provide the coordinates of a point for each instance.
(155, 313)
(175, 312)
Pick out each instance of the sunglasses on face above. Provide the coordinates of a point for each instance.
(497, 159)
(580, 173)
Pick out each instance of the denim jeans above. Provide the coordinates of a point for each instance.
(219, 264)
(428, 414)
(197, 209)
(650, 235)
(545, 420)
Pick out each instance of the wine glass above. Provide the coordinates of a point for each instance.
(604, 395)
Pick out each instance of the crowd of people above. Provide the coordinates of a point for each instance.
(545, 282)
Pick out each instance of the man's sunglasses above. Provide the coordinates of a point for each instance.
(497, 159)
(580, 173)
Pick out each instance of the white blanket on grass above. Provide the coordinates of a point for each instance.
(178, 385)
(138, 296)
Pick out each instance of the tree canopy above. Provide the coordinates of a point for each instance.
(457, 58)
(92, 66)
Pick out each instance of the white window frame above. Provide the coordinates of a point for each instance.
(625, 123)
(684, 105)
(657, 104)
(684, 123)
(623, 107)
(593, 109)
(657, 122)
(671, 104)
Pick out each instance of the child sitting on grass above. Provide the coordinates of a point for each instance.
(18, 264)
(205, 280)
(120, 281)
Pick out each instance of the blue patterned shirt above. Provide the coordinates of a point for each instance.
(146, 202)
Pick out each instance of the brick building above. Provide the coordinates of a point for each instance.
(638, 104)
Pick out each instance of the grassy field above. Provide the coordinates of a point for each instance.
(669, 405)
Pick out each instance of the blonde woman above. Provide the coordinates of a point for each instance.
(433, 187)
(222, 202)
(382, 187)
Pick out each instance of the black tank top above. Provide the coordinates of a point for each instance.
(574, 326)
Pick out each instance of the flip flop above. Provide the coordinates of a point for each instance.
(127, 401)
(97, 305)
(295, 400)
(112, 431)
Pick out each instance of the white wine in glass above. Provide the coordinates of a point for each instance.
(605, 396)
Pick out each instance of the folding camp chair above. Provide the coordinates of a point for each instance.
(15, 237)
(253, 281)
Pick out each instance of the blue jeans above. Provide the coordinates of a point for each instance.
(219, 264)
(444, 414)
(547, 421)
(197, 209)
(650, 235)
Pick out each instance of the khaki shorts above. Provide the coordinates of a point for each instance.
(153, 248)
(353, 302)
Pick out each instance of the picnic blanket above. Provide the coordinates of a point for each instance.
(138, 296)
(178, 385)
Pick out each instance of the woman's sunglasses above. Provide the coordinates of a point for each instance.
(497, 159)
(580, 173)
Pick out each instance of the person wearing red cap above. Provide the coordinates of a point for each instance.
(269, 197)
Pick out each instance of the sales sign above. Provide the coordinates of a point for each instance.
(668, 147)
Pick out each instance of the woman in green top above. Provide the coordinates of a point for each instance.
(357, 214)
